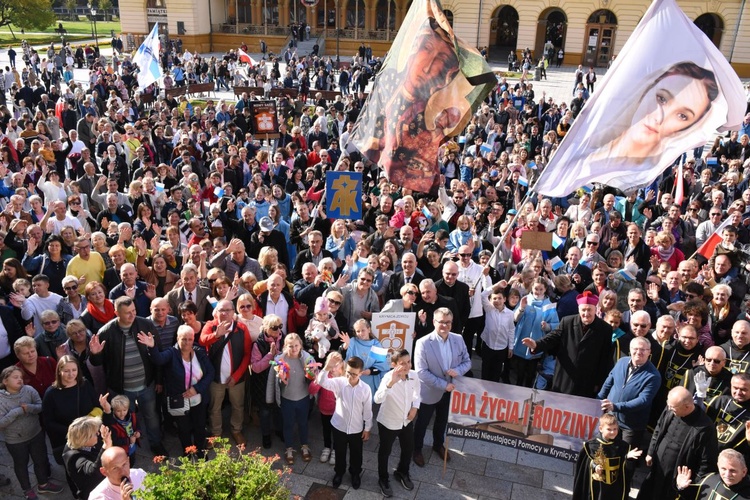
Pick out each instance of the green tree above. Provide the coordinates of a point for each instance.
(106, 7)
(71, 6)
(27, 14)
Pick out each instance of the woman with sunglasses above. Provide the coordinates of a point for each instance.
(265, 348)
(250, 314)
(73, 304)
(409, 294)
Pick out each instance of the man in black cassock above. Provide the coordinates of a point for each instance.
(684, 437)
(730, 483)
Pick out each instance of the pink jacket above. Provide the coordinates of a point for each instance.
(326, 398)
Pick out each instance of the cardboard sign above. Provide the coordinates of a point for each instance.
(394, 330)
(536, 240)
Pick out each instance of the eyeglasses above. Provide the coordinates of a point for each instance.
(715, 215)
(693, 209)
(365, 280)
(275, 328)
(713, 360)
(690, 296)
(244, 307)
(592, 243)
(75, 202)
(225, 310)
(334, 302)
(411, 292)
(71, 287)
(50, 323)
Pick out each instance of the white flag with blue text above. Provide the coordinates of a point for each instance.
(668, 91)
(147, 59)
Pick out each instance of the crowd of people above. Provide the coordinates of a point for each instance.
(160, 257)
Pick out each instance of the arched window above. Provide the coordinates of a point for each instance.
(355, 14)
(449, 16)
(712, 25)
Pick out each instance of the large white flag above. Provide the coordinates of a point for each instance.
(147, 59)
(668, 91)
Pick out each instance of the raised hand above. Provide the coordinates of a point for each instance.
(96, 347)
(60, 351)
(104, 403)
(684, 474)
(150, 291)
(146, 339)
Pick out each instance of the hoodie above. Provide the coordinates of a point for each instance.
(18, 425)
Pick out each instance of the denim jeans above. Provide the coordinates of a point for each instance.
(36, 448)
(146, 399)
(295, 412)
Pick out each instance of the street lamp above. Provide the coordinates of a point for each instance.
(96, 35)
(91, 23)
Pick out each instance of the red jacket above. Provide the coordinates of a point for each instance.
(240, 348)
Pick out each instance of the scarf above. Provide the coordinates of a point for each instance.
(102, 317)
(665, 254)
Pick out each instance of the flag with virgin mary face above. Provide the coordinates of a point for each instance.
(669, 90)
(430, 85)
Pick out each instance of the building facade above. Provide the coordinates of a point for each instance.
(589, 32)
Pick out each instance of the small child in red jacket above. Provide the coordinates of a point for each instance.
(122, 422)
(327, 405)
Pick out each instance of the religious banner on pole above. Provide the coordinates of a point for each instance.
(265, 119)
(394, 330)
(648, 110)
(541, 422)
(344, 195)
(430, 85)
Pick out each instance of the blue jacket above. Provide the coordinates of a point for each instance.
(174, 371)
(530, 325)
(632, 399)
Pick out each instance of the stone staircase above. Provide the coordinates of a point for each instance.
(306, 47)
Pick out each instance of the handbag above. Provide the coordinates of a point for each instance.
(178, 406)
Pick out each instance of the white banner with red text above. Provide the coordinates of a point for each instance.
(541, 422)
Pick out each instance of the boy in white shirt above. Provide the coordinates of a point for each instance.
(399, 397)
(352, 418)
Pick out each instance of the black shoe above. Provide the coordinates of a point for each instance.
(266, 441)
(356, 481)
(385, 487)
(337, 481)
(404, 479)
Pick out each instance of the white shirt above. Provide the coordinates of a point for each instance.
(473, 276)
(69, 220)
(280, 309)
(499, 327)
(353, 412)
(397, 401)
(108, 491)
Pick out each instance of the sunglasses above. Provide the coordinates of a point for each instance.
(245, 307)
(71, 287)
(712, 360)
(464, 255)
(592, 243)
(275, 328)
(75, 202)
(335, 302)
(50, 323)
